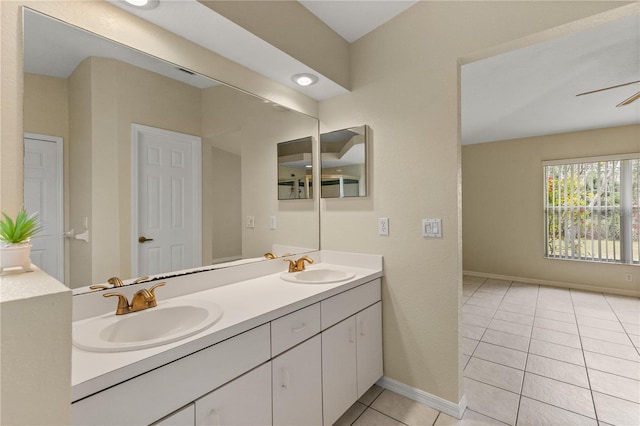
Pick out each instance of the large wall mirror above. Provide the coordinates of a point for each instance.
(147, 139)
(344, 162)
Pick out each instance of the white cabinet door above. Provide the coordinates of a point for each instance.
(183, 417)
(297, 385)
(246, 401)
(369, 347)
(339, 386)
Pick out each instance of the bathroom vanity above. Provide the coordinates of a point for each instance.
(282, 353)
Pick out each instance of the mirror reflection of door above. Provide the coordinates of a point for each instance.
(295, 169)
(343, 163)
(43, 194)
(167, 211)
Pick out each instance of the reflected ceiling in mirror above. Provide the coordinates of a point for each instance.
(295, 169)
(90, 91)
(343, 162)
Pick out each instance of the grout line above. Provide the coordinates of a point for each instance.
(624, 329)
(526, 360)
(593, 401)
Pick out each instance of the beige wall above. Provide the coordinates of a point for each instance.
(503, 218)
(405, 86)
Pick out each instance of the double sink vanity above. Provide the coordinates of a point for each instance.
(248, 345)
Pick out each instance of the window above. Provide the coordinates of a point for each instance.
(592, 209)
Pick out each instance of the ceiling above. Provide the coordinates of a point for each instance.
(526, 92)
(532, 91)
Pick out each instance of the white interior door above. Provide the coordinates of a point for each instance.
(43, 194)
(167, 201)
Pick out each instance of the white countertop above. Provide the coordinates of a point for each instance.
(246, 304)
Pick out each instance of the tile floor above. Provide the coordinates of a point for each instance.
(533, 355)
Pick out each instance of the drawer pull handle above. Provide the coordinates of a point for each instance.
(363, 328)
(214, 418)
(285, 378)
(352, 337)
(298, 329)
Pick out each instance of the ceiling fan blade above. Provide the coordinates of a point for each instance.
(608, 88)
(630, 99)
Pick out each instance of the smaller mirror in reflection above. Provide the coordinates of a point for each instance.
(344, 166)
(295, 169)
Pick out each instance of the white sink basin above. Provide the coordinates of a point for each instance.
(317, 276)
(168, 322)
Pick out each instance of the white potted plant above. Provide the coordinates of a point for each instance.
(15, 239)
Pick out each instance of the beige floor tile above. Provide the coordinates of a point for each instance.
(600, 323)
(556, 337)
(536, 413)
(498, 375)
(510, 327)
(370, 395)
(514, 317)
(478, 310)
(555, 315)
(477, 320)
(351, 415)
(620, 351)
(605, 314)
(507, 340)
(491, 401)
(554, 305)
(517, 308)
(468, 346)
(472, 332)
(405, 410)
(469, 418)
(631, 328)
(465, 360)
(613, 365)
(501, 355)
(618, 386)
(372, 417)
(559, 394)
(616, 411)
(482, 302)
(550, 324)
(494, 288)
(558, 370)
(635, 340)
(555, 351)
(629, 317)
(623, 303)
(519, 299)
(606, 335)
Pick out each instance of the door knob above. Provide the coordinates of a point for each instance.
(144, 239)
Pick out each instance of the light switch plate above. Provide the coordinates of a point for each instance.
(251, 222)
(432, 228)
(272, 222)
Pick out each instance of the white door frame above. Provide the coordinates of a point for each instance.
(59, 226)
(196, 219)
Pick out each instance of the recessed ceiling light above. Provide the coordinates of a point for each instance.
(305, 79)
(144, 4)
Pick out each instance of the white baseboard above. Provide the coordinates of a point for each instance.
(435, 402)
(608, 290)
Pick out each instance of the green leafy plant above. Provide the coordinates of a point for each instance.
(21, 230)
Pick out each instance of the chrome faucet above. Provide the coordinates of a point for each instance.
(298, 265)
(142, 299)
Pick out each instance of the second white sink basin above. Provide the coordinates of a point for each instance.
(317, 276)
(168, 322)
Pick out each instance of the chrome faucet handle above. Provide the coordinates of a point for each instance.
(123, 303)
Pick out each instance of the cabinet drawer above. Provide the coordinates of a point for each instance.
(294, 328)
(343, 305)
(183, 417)
(155, 394)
